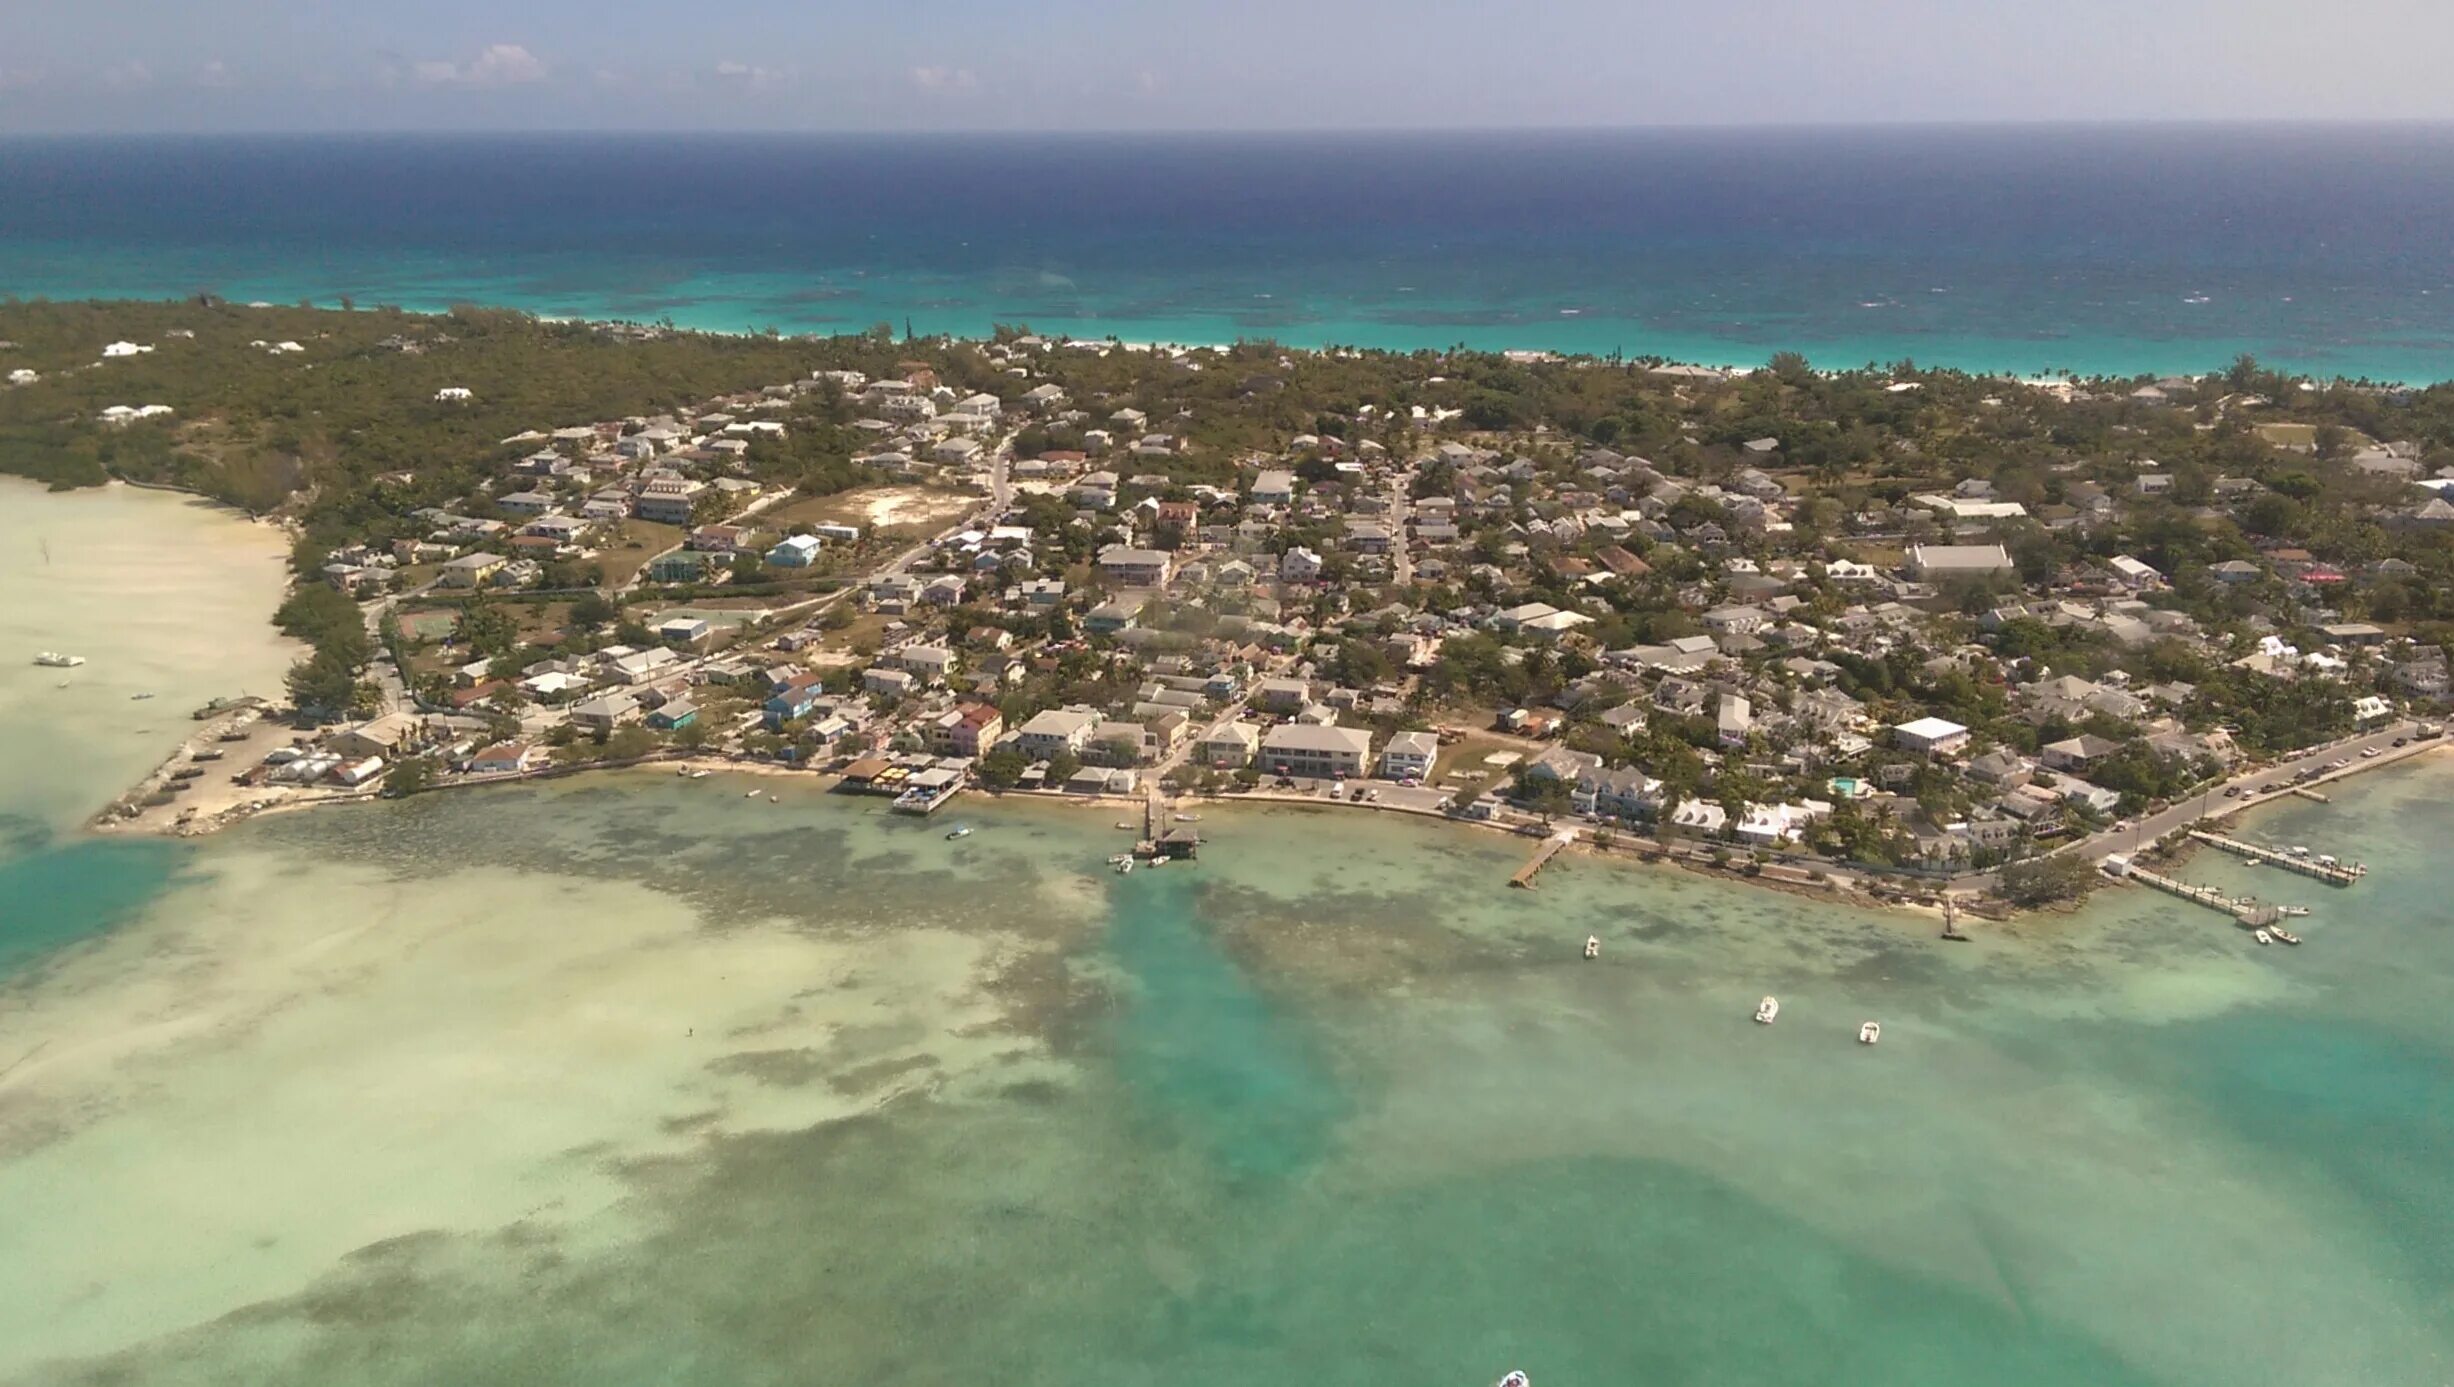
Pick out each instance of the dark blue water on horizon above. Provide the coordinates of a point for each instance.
(2098, 249)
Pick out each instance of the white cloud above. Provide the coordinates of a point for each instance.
(504, 64)
(750, 74)
(944, 79)
(499, 65)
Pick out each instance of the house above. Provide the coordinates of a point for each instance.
(795, 551)
(1299, 565)
(1930, 736)
(2078, 753)
(966, 731)
(1284, 695)
(796, 697)
(1317, 752)
(506, 758)
(673, 713)
(604, 714)
(1230, 746)
(525, 503)
(669, 500)
(894, 683)
(1136, 568)
(1734, 719)
(1409, 756)
(1945, 562)
(718, 539)
(1065, 730)
(470, 570)
(684, 630)
(930, 662)
(1274, 488)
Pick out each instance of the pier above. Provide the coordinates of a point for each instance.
(2331, 872)
(2308, 794)
(2248, 912)
(1541, 858)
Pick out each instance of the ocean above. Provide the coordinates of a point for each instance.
(630, 1081)
(2098, 249)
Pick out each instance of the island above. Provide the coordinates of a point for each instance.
(1890, 632)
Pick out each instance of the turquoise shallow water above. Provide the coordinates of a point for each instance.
(1333, 1103)
(2098, 249)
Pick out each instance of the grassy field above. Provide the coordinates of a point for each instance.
(630, 547)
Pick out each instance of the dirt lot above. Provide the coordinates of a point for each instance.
(914, 508)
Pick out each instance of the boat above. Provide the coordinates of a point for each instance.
(2284, 935)
(2263, 937)
(958, 831)
(1128, 827)
(1593, 946)
(1766, 1010)
(1869, 1033)
(52, 659)
(141, 695)
(1124, 867)
(1188, 818)
(749, 794)
(1516, 1378)
(701, 774)
(1951, 922)
(2295, 911)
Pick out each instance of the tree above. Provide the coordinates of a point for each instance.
(408, 777)
(1550, 796)
(323, 683)
(629, 743)
(2036, 881)
(1003, 768)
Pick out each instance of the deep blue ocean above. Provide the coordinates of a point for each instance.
(2328, 249)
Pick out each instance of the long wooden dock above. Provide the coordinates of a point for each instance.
(2332, 873)
(1541, 858)
(2248, 912)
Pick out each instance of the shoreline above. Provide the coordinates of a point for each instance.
(1674, 356)
(1835, 883)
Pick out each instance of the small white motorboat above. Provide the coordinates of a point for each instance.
(1766, 1011)
(1124, 867)
(749, 794)
(1593, 946)
(2263, 937)
(2283, 935)
(1516, 1378)
(52, 659)
(701, 774)
(1869, 1033)
(958, 831)
(140, 695)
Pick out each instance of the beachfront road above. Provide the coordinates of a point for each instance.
(2259, 786)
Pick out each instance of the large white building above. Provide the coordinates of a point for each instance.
(1319, 752)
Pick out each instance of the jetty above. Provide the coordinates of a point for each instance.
(1525, 875)
(2249, 912)
(2308, 794)
(2324, 868)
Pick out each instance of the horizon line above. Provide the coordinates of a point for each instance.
(2052, 123)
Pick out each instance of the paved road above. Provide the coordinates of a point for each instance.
(2281, 775)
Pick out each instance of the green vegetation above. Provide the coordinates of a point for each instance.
(2037, 881)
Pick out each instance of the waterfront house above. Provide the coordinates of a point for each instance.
(1409, 756)
(1057, 730)
(1231, 746)
(506, 758)
(604, 713)
(1320, 752)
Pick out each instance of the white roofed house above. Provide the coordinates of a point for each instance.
(1136, 568)
(1930, 736)
(1314, 752)
(1056, 730)
(1934, 562)
(1409, 756)
(1230, 746)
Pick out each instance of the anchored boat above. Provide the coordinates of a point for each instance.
(1766, 1010)
(1869, 1033)
(52, 659)
(1593, 946)
(958, 831)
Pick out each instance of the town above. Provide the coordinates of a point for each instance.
(1883, 625)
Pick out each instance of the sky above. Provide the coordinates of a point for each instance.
(320, 65)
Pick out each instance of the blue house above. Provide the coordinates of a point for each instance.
(796, 551)
(678, 713)
(789, 701)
